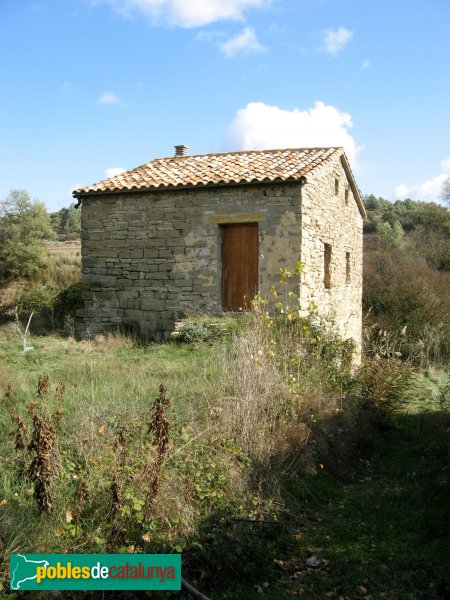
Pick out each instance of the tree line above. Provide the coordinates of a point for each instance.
(422, 228)
(24, 225)
(406, 282)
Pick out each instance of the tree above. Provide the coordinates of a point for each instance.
(66, 221)
(445, 194)
(411, 214)
(24, 224)
(393, 235)
(433, 245)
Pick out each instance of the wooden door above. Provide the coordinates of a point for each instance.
(239, 265)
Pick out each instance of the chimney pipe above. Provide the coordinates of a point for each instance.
(181, 150)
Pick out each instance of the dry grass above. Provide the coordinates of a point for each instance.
(62, 268)
(70, 249)
(254, 393)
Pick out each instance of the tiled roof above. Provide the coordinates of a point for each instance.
(255, 166)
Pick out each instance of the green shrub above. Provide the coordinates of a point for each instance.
(24, 224)
(69, 300)
(201, 330)
(383, 385)
(195, 331)
(402, 289)
(444, 396)
(37, 300)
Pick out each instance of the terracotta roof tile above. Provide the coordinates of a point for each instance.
(254, 166)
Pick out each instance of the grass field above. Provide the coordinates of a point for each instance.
(71, 248)
(366, 498)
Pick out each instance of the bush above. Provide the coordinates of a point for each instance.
(22, 259)
(401, 289)
(24, 224)
(52, 307)
(69, 300)
(37, 300)
(201, 330)
(433, 245)
(383, 384)
(196, 331)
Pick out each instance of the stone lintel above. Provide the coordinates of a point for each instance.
(237, 218)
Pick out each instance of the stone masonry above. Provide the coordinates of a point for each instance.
(153, 256)
(333, 218)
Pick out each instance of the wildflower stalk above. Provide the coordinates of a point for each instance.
(159, 426)
(42, 468)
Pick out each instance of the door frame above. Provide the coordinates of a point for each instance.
(234, 219)
(221, 228)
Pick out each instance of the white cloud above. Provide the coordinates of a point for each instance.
(185, 13)
(401, 191)
(335, 40)
(429, 190)
(445, 164)
(114, 171)
(243, 42)
(108, 98)
(366, 63)
(259, 126)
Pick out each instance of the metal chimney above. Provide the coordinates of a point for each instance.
(181, 150)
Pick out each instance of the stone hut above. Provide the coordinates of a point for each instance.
(204, 233)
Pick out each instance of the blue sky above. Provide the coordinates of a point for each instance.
(88, 87)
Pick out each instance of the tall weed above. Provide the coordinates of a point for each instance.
(280, 368)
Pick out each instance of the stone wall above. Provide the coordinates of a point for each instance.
(152, 257)
(333, 218)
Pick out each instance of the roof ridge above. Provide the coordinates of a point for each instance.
(254, 151)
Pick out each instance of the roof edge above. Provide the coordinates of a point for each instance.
(353, 185)
(180, 188)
